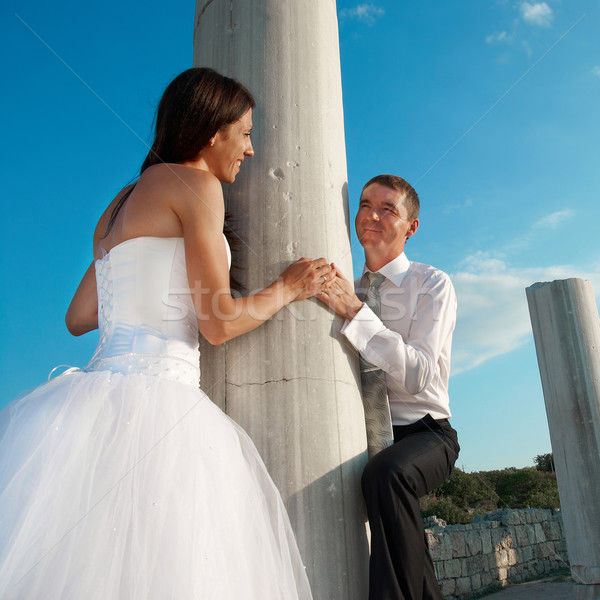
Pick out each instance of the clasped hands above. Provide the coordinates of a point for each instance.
(308, 278)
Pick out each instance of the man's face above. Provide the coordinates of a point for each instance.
(382, 222)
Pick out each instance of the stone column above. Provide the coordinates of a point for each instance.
(566, 330)
(293, 383)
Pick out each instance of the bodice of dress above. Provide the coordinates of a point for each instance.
(146, 317)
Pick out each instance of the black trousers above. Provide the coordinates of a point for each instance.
(420, 459)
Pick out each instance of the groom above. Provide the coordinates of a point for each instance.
(403, 332)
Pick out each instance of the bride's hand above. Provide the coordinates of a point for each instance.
(307, 277)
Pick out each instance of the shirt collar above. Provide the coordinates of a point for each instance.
(395, 270)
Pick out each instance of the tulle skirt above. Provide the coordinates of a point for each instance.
(128, 487)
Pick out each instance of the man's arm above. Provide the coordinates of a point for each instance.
(411, 360)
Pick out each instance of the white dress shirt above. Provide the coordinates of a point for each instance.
(412, 340)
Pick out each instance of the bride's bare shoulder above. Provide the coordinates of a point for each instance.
(183, 185)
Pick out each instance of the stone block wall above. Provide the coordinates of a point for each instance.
(501, 547)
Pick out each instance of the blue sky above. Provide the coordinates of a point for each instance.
(489, 108)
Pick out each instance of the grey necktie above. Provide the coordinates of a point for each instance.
(374, 391)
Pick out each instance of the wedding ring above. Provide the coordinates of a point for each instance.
(324, 278)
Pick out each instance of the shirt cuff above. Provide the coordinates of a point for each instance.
(362, 328)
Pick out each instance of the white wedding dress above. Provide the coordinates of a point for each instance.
(123, 480)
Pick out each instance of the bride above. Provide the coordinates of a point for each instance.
(122, 480)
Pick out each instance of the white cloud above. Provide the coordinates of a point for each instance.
(493, 316)
(451, 208)
(527, 48)
(596, 71)
(501, 37)
(539, 14)
(537, 231)
(367, 13)
(553, 220)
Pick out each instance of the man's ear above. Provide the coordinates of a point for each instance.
(412, 229)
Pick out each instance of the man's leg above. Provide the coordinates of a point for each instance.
(393, 481)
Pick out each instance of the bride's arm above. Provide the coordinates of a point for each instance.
(222, 317)
(82, 314)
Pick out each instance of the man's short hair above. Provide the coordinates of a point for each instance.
(411, 199)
